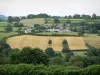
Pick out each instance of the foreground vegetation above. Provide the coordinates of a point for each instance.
(26, 69)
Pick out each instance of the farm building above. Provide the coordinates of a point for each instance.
(27, 30)
(53, 30)
(57, 30)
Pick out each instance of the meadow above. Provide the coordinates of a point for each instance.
(2, 30)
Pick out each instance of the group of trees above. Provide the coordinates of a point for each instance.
(76, 16)
(29, 69)
(84, 16)
(13, 19)
(44, 15)
(8, 28)
(13, 22)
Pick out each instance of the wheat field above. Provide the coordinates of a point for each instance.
(75, 43)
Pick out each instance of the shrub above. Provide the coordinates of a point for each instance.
(50, 51)
(29, 69)
(57, 61)
(33, 56)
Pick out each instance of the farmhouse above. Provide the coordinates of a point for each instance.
(27, 30)
(53, 30)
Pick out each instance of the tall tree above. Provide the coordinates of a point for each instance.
(17, 19)
(30, 16)
(50, 42)
(94, 16)
(76, 16)
(33, 56)
(69, 17)
(56, 21)
(10, 19)
(8, 28)
(65, 46)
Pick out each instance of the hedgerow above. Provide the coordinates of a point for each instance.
(29, 69)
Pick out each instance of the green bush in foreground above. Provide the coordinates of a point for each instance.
(29, 69)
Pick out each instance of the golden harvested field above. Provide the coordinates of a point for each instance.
(93, 41)
(75, 43)
(30, 22)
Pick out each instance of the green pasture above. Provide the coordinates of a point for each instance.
(4, 34)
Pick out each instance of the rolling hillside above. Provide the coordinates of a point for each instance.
(30, 22)
(75, 43)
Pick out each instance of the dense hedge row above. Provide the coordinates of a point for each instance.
(35, 34)
(25, 69)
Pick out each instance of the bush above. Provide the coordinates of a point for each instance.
(8, 28)
(57, 61)
(50, 51)
(91, 70)
(80, 33)
(17, 24)
(29, 69)
(33, 56)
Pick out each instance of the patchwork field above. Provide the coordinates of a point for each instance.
(75, 43)
(30, 22)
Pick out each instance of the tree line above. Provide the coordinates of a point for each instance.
(29, 69)
(43, 15)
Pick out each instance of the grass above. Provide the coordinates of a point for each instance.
(30, 22)
(2, 31)
(75, 43)
(3, 24)
(3, 34)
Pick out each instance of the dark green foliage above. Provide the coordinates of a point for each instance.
(16, 19)
(76, 61)
(4, 48)
(67, 57)
(56, 21)
(4, 60)
(65, 46)
(50, 42)
(6, 52)
(26, 69)
(68, 21)
(15, 56)
(94, 16)
(77, 16)
(91, 70)
(17, 24)
(50, 51)
(39, 28)
(92, 51)
(33, 55)
(19, 30)
(57, 55)
(57, 61)
(8, 28)
(10, 19)
(23, 17)
(80, 33)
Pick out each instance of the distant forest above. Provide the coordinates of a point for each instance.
(76, 16)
